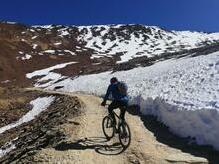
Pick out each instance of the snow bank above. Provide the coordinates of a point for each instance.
(39, 105)
(182, 93)
(200, 124)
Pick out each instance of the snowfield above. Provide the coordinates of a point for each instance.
(183, 93)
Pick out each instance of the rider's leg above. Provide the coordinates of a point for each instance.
(111, 107)
(123, 108)
(122, 112)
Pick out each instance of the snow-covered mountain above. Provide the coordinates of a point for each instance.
(96, 48)
(126, 41)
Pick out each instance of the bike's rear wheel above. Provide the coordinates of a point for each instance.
(108, 127)
(124, 134)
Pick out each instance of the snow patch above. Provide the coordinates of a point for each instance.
(68, 51)
(26, 57)
(35, 46)
(47, 70)
(58, 43)
(6, 81)
(50, 51)
(34, 37)
(7, 148)
(43, 26)
(9, 22)
(40, 104)
(48, 75)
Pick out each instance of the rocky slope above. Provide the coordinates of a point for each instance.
(25, 140)
(97, 48)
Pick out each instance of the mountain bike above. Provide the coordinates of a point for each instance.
(110, 128)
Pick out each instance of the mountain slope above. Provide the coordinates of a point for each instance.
(25, 49)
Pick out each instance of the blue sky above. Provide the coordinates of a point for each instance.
(199, 15)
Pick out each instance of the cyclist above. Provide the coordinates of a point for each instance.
(120, 99)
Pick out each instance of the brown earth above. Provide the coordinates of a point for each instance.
(13, 70)
(41, 132)
(14, 104)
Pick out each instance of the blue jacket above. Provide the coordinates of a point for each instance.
(113, 90)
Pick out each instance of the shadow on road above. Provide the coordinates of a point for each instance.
(100, 144)
(163, 135)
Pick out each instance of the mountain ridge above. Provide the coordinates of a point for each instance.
(95, 48)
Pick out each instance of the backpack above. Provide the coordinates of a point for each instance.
(122, 87)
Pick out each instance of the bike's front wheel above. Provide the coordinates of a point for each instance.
(108, 127)
(124, 134)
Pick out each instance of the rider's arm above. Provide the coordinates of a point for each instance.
(108, 93)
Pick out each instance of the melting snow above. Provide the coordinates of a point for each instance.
(35, 46)
(6, 81)
(47, 70)
(8, 22)
(26, 57)
(7, 148)
(50, 51)
(34, 37)
(39, 105)
(64, 33)
(48, 75)
(68, 51)
(59, 43)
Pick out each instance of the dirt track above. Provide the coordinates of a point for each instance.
(87, 144)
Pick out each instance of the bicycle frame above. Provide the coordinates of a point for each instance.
(115, 114)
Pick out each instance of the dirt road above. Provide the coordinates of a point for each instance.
(87, 144)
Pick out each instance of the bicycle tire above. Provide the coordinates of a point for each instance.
(124, 140)
(107, 125)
